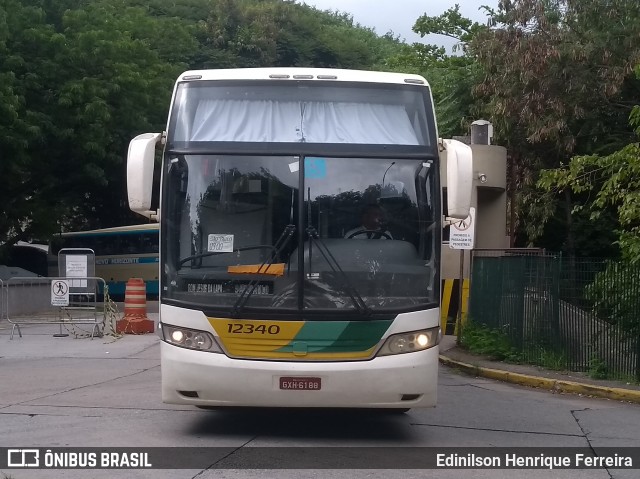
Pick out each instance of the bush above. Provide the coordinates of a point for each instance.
(481, 339)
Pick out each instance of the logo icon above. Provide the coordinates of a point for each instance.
(23, 458)
(60, 288)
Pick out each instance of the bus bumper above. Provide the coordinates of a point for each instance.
(212, 379)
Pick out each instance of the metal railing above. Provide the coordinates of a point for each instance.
(36, 301)
(3, 301)
(581, 313)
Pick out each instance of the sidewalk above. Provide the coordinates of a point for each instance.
(533, 376)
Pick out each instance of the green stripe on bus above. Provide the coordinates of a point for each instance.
(338, 336)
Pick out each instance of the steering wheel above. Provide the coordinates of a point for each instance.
(375, 234)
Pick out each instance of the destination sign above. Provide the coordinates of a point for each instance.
(229, 287)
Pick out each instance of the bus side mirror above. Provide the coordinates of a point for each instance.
(459, 164)
(140, 163)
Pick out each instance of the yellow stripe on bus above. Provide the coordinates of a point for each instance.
(264, 339)
(267, 336)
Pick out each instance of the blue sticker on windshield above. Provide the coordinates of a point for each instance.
(315, 168)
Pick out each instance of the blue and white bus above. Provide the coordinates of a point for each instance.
(121, 253)
(268, 297)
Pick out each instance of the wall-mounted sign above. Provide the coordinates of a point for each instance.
(462, 232)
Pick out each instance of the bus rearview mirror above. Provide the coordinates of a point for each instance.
(459, 163)
(140, 165)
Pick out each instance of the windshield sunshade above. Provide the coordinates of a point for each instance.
(294, 113)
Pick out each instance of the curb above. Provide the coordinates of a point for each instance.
(555, 385)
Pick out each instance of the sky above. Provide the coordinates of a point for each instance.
(400, 15)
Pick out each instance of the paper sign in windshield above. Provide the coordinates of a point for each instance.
(220, 243)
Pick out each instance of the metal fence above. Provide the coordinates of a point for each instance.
(581, 314)
(3, 300)
(26, 301)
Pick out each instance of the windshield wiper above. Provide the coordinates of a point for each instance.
(281, 243)
(215, 253)
(351, 290)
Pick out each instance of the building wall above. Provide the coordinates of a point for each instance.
(490, 201)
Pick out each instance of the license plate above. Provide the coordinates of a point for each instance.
(300, 383)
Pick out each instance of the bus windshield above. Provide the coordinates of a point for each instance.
(291, 233)
(260, 111)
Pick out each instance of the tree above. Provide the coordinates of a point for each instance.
(77, 83)
(450, 75)
(80, 78)
(612, 182)
(282, 33)
(557, 82)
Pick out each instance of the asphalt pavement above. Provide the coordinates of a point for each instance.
(45, 341)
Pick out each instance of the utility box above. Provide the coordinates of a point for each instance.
(481, 132)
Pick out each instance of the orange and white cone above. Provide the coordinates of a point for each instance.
(135, 319)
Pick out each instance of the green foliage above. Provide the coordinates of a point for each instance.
(451, 23)
(615, 299)
(610, 183)
(281, 33)
(496, 345)
(493, 343)
(557, 81)
(613, 184)
(598, 369)
(80, 78)
(597, 238)
(558, 70)
(78, 83)
(548, 359)
(451, 76)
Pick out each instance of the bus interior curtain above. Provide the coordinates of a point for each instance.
(293, 121)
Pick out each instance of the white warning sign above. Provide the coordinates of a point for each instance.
(76, 267)
(462, 232)
(59, 292)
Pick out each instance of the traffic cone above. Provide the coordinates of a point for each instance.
(135, 319)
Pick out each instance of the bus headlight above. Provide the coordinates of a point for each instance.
(189, 338)
(410, 342)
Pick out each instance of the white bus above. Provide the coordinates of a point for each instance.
(121, 253)
(268, 297)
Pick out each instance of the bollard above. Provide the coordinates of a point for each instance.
(135, 319)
